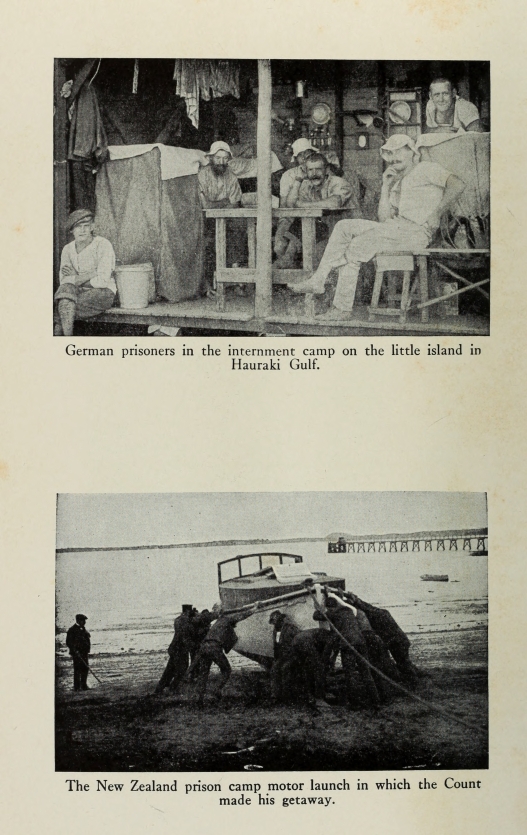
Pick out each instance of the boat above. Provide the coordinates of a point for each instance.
(276, 580)
(435, 578)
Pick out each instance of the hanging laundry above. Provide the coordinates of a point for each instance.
(87, 137)
(199, 77)
(225, 80)
(187, 87)
(204, 78)
(135, 83)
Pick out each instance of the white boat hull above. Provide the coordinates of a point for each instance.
(255, 634)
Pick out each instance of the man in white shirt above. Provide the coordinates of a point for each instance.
(219, 187)
(446, 112)
(414, 196)
(302, 150)
(87, 284)
(316, 186)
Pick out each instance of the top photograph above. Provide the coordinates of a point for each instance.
(263, 197)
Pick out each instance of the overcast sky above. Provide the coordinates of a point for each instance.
(103, 520)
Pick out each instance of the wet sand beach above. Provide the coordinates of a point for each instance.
(120, 726)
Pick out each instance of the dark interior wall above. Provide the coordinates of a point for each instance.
(155, 113)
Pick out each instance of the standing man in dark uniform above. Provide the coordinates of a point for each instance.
(78, 643)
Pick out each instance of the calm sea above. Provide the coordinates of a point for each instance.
(131, 597)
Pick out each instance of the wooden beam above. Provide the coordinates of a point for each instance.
(451, 295)
(461, 279)
(60, 167)
(264, 218)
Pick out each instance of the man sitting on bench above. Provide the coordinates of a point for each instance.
(414, 196)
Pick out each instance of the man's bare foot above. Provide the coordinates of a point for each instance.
(313, 285)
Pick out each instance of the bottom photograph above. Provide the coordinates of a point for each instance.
(271, 631)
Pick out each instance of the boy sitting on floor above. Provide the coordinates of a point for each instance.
(87, 285)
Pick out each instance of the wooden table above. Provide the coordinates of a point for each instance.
(248, 275)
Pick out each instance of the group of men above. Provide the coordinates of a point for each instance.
(414, 196)
(374, 651)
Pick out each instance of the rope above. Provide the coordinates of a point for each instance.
(429, 705)
(95, 73)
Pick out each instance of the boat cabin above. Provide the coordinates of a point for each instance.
(264, 576)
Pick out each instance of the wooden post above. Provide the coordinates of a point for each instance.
(264, 220)
(60, 168)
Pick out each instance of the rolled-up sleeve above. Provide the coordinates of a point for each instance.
(65, 261)
(339, 187)
(234, 190)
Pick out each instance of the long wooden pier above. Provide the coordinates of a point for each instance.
(399, 542)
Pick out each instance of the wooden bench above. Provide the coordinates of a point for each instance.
(407, 262)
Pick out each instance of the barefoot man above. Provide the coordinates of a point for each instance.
(414, 196)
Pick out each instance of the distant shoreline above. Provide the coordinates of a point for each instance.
(211, 544)
(473, 532)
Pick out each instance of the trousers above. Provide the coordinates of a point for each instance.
(174, 671)
(89, 301)
(80, 671)
(210, 653)
(352, 661)
(354, 242)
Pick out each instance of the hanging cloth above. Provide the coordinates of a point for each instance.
(198, 77)
(87, 137)
(186, 80)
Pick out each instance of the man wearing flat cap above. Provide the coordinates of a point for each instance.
(87, 284)
(78, 643)
(414, 196)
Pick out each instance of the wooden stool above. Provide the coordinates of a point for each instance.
(385, 262)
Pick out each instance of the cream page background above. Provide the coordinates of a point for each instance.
(160, 424)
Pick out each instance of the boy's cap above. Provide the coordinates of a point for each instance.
(77, 217)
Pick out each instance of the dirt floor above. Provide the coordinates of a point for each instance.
(121, 726)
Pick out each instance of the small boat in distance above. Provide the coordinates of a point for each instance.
(277, 580)
(435, 578)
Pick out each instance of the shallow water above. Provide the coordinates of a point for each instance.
(131, 597)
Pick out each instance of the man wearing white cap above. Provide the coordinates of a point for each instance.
(414, 196)
(219, 187)
(302, 150)
(284, 241)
